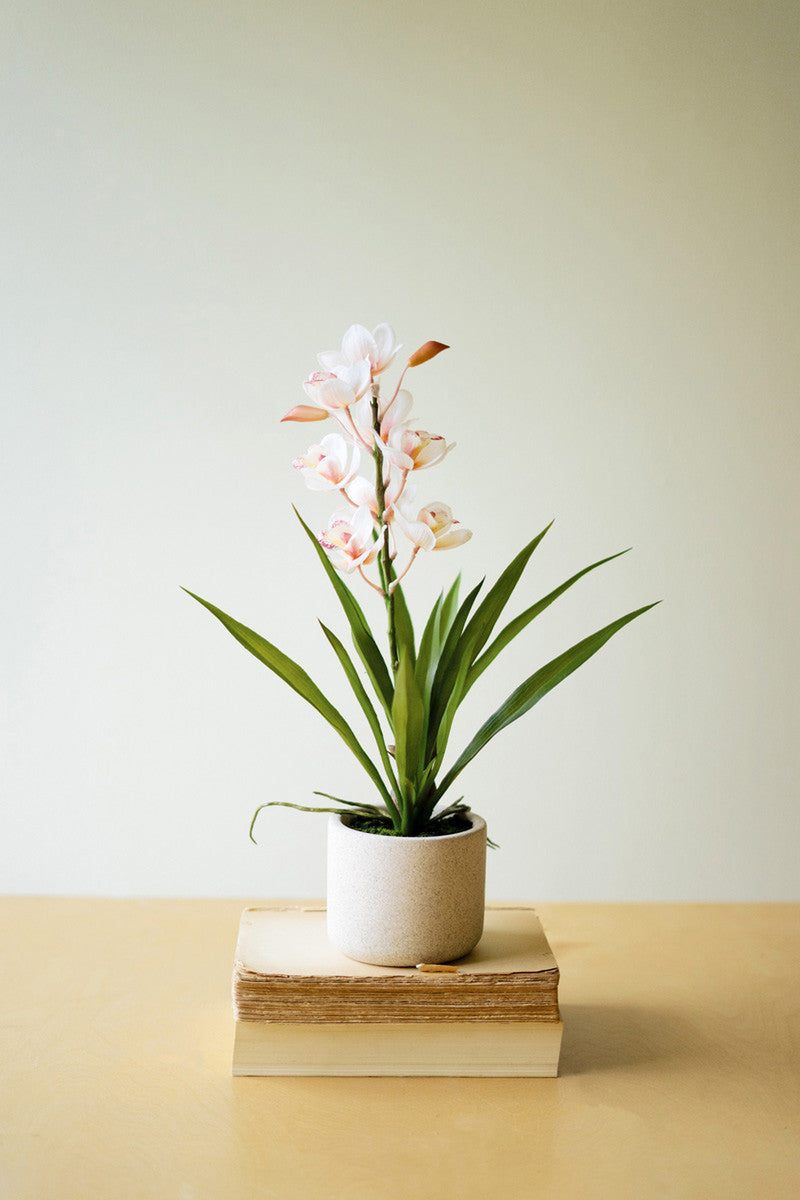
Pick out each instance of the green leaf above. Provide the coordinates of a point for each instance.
(364, 642)
(369, 713)
(404, 627)
(518, 624)
(449, 610)
(355, 804)
(450, 685)
(428, 649)
(488, 612)
(533, 689)
(446, 673)
(408, 713)
(297, 679)
(453, 648)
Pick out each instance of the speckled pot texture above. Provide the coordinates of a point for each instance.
(396, 902)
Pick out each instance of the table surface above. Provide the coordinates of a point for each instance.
(680, 1068)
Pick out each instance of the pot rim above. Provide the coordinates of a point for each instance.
(477, 822)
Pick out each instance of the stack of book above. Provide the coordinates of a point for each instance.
(302, 1008)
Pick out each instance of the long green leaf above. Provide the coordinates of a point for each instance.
(519, 623)
(450, 651)
(297, 679)
(487, 614)
(368, 710)
(428, 655)
(364, 642)
(533, 689)
(409, 716)
(438, 728)
(449, 610)
(450, 685)
(448, 689)
(404, 626)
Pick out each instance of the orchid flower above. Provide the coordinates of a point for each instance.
(391, 415)
(350, 541)
(378, 348)
(324, 467)
(413, 449)
(361, 491)
(334, 392)
(432, 528)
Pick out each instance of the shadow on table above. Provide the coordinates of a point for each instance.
(604, 1037)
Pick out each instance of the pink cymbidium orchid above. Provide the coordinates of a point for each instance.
(324, 467)
(335, 392)
(414, 449)
(391, 416)
(350, 540)
(432, 528)
(360, 491)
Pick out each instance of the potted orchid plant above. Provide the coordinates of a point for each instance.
(409, 685)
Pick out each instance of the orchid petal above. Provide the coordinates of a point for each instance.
(361, 412)
(331, 360)
(437, 516)
(333, 394)
(394, 456)
(426, 353)
(362, 523)
(357, 375)
(455, 537)
(362, 492)
(433, 452)
(305, 412)
(419, 533)
(359, 343)
(334, 446)
(386, 346)
(396, 412)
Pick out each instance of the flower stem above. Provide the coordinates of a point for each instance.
(385, 559)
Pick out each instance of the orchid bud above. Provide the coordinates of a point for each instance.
(426, 352)
(305, 412)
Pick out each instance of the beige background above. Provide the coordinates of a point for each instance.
(596, 206)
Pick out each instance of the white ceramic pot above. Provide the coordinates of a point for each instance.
(397, 901)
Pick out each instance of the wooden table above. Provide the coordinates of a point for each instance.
(680, 1069)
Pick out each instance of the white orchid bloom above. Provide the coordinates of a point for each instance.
(378, 347)
(414, 449)
(361, 491)
(393, 416)
(335, 392)
(350, 541)
(324, 467)
(432, 528)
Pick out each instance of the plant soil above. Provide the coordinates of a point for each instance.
(437, 827)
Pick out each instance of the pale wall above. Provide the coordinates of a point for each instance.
(596, 206)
